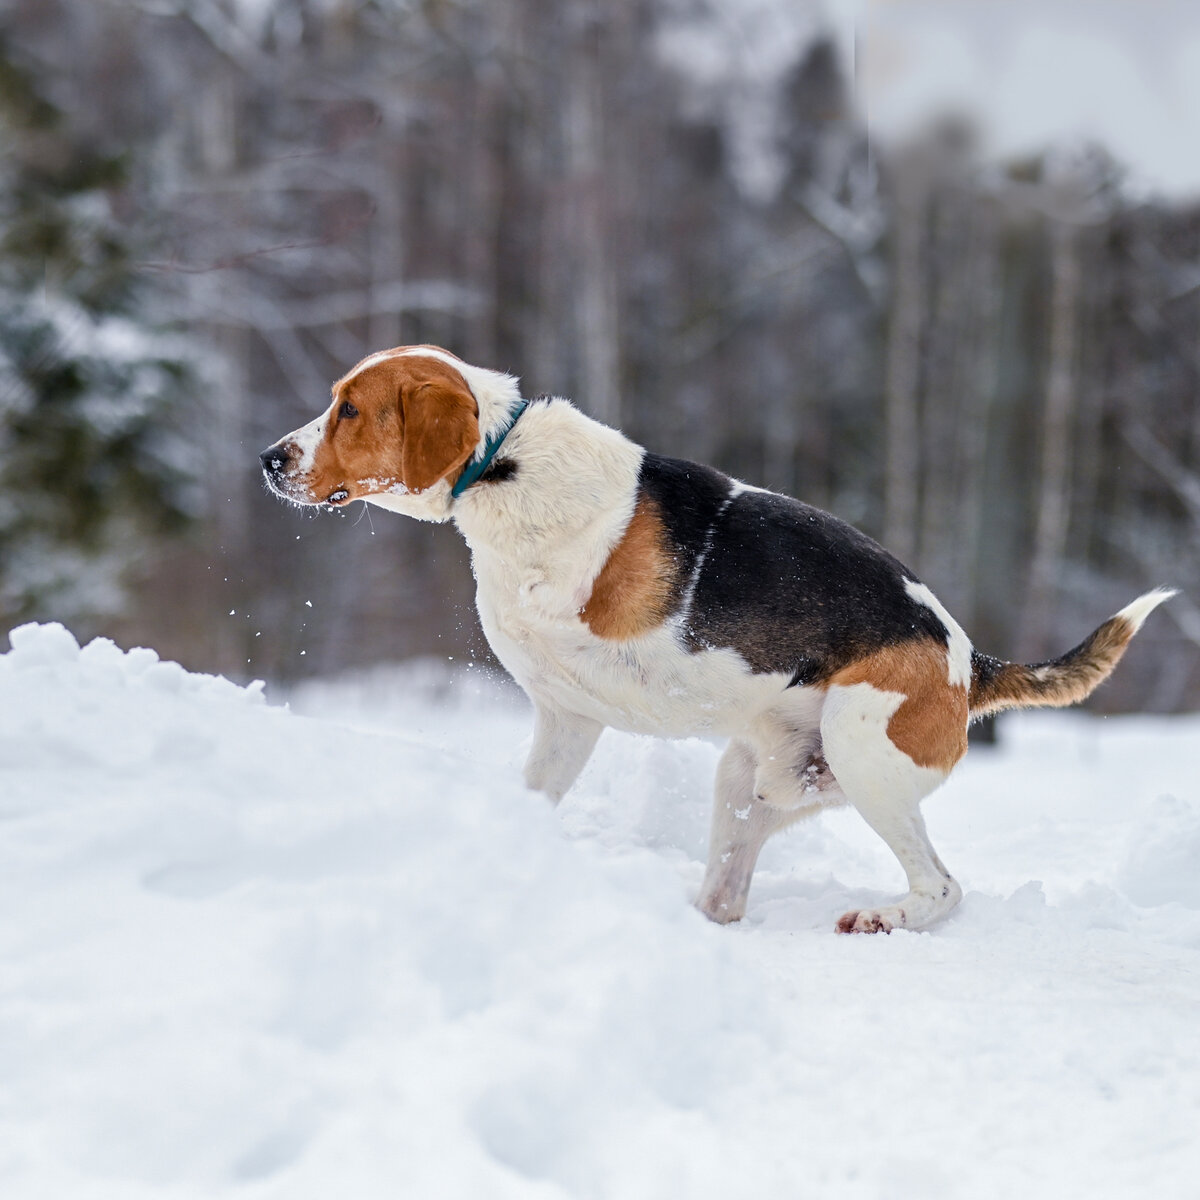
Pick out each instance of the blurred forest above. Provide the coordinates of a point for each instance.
(209, 209)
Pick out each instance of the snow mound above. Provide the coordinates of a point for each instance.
(1162, 863)
(252, 953)
(101, 707)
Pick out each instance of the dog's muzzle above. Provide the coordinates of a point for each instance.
(274, 461)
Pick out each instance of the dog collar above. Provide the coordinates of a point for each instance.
(476, 467)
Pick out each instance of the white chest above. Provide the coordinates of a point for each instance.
(649, 684)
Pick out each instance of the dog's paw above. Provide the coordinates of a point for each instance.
(870, 921)
(721, 907)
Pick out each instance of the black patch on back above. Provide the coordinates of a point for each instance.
(985, 668)
(791, 588)
(499, 469)
(688, 497)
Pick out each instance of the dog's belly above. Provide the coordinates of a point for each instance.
(649, 684)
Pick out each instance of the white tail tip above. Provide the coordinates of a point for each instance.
(1143, 606)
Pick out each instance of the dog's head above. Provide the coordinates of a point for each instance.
(401, 427)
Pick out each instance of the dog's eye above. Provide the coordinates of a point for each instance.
(347, 410)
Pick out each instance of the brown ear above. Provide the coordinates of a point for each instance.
(441, 432)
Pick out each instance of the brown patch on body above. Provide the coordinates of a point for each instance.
(633, 592)
(930, 726)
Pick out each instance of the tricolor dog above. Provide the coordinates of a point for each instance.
(622, 588)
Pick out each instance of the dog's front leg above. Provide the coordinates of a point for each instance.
(562, 744)
(740, 826)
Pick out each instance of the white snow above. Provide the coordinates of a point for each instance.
(252, 953)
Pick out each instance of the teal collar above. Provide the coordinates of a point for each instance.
(476, 467)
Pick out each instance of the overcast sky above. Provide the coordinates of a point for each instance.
(1124, 72)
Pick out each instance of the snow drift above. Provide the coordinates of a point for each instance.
(251, 952)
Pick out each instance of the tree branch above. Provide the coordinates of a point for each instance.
(1185, 483)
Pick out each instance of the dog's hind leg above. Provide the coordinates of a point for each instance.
(562, 743)
(886, 785)
(740, 825)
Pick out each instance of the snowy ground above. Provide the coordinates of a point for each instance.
(252, 953)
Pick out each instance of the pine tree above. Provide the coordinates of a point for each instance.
(91, 471)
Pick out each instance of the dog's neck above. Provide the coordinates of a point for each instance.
(478, 466)
(564, 500)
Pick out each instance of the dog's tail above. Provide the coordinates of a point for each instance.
(997, 685)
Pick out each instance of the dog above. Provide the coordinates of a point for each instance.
(623, 588)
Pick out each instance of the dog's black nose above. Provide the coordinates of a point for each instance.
(274, 459)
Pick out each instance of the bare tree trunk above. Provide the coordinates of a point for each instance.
(947, 389)
(483, 223)
(979, 399)
(386, 261)
(902, 447)
(595, 282)
(1054, 473)
(1094, 395)
(548, 360)
(229, 485)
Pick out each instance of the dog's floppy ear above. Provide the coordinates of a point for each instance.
(441, 431)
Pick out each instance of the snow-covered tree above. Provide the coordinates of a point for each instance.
(90, 469)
